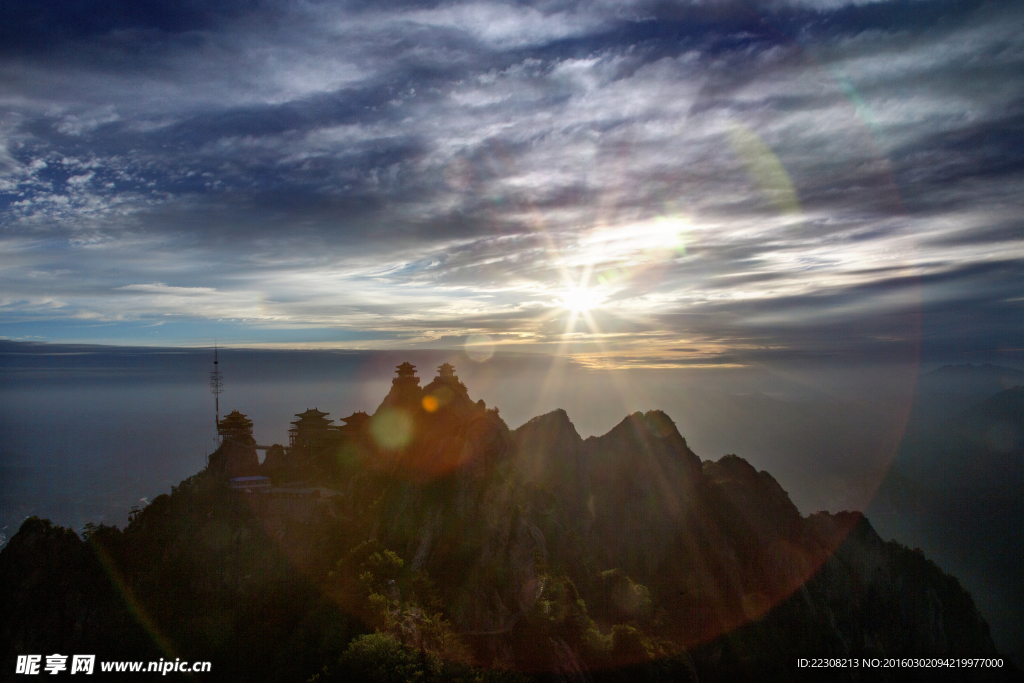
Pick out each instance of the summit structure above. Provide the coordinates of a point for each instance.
(446, 371)
(446, 377)
(216, 387)
(311, 431)
(236, 456)
(354, 425)
(406, 374)
(236, 427)
(447, 393)
(406, 392)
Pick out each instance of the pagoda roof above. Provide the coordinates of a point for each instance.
(313, 416)
(405, 369)
(235, 419)
(311, 412)
(446, 370)
(356, 418)
(235, 425)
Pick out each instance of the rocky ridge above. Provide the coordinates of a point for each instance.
(528, 550)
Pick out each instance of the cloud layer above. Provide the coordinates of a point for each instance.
(714, 182)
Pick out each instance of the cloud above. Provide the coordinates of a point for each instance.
(505, 26)
(162, 288)
(725, 179)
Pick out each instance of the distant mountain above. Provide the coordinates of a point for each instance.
(980, 373)
(952, 389)
(957, 491)
(979, 449)
(430, 541)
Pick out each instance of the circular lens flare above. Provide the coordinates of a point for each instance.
(392, 429)
(479, 347)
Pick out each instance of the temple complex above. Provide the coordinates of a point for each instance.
(317, 447)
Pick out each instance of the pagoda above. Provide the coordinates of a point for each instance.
(237, 453)
(405, 390)
(446, 389)
(446, 377)
(312, 430)
(406, 375)
(236, 427)
(354, 424)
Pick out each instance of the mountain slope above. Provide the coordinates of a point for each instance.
(610, 558)
(958, 493)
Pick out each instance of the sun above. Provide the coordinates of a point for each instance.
(580, 300)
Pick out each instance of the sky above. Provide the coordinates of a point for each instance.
(634, 184)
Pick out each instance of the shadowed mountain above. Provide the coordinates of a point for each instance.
(979, 449)
(950, 390)
(958, 493)
(474, 552)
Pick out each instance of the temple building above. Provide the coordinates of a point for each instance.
(405, 375)
(236, 427)
(446, 391)
(446, 377)
(405, 390)
(354, 426)
(237, 453)
(312, 432)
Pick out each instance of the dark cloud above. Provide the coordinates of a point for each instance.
(38, 27)
(718, 176)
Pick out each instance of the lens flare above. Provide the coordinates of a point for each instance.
(479, 347)
(765, 168)
(134, 606)
(430, 404)
(391, 428)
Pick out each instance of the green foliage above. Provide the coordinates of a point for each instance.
(382, 568)
(368, 579)
(381, 658)
(426, 592)
(618, 599)
(630, 645)
(559, 616)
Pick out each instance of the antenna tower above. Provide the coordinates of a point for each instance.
(216, 387)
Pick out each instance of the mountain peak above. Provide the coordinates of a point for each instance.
(653, 430)
(971, 370)
(549, 448)
(558, 417)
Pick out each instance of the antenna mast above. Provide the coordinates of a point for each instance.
(216, 387)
